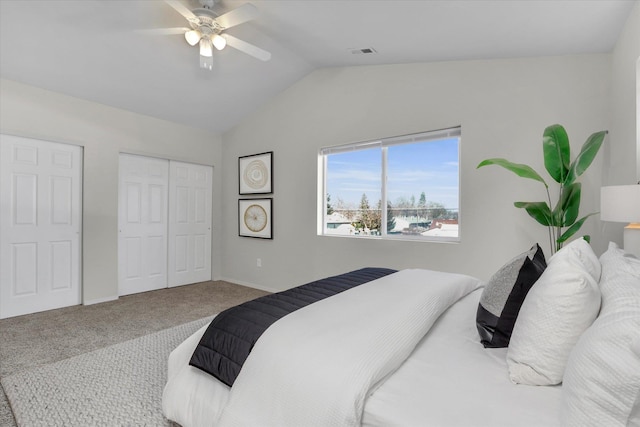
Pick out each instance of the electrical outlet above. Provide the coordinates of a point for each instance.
(259, 262)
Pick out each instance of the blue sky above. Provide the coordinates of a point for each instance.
(431, 167)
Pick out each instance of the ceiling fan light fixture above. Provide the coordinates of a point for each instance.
(193, 37)
(205, 47)
(206, 62)
(219, 42)
(207, 29)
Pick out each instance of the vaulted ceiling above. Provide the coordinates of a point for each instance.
(91, 49)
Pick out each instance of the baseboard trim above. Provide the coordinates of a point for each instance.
(99, 300)
(248, 284)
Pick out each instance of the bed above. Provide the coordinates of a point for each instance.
(413, 356)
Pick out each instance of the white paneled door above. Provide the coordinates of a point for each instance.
(40, 225)
(190, 193)
(142, 224)
(164, 223)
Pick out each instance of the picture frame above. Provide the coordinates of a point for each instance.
(255, 218)
(255, 173)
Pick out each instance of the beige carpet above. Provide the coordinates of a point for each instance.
(43, 338)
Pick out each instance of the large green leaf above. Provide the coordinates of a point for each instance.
(588, 152)
(539, 211)
(566, 211)
(521, 170)
(574, 228)
(557, 152)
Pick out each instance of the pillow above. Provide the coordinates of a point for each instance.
(560, 307)
(503, 295)
(615, 297)
(580, 252)
(602, 379)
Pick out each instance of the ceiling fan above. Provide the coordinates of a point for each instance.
(208, 29)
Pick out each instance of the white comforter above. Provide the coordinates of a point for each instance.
(317, 365)
(449, 380)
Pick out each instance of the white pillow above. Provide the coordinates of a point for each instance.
(562, 304)
(580, 252)
(623, 267)
(602, 379)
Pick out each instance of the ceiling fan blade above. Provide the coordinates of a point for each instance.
(181, 9)
(247, 48)
(163, 31)
(244, 13)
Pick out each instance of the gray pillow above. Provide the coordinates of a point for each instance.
(504, 294)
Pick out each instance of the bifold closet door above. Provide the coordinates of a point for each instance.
(190, 195)
(40, 225)
(142, 224)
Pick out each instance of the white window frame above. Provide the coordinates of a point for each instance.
(454, 132)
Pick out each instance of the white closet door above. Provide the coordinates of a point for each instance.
(189, 223)
(40, 225)
(142, 224)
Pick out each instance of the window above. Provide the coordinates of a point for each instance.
(415, 177)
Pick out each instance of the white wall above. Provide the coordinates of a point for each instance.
(104, 132)
(623, 154)
(503, 107)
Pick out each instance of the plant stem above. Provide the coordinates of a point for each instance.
(560, 220)
(551, 236)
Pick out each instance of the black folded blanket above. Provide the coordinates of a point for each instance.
(232, 334)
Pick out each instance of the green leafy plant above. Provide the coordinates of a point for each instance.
(557, 161)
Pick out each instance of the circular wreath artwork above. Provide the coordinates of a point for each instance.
(255, 218)
(256, 174)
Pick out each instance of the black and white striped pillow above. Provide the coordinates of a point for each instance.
(503, 295)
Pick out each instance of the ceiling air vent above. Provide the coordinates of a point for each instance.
(360, 51)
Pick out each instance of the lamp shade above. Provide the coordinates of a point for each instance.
(192, 37)
(219, 42)
(205, 47)
(620, 203)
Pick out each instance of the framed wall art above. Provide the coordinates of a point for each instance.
(254, 218)
(256, 173)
